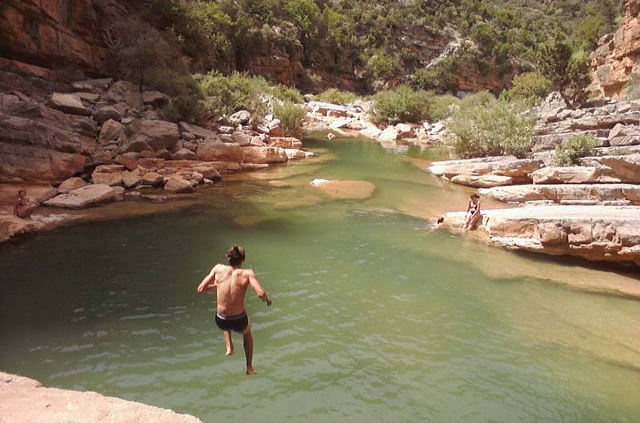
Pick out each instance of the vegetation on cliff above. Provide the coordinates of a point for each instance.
(383, 41)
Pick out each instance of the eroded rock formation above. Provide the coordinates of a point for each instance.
(618, 54)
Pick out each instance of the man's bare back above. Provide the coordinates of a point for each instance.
(232, 286)
(231, 282)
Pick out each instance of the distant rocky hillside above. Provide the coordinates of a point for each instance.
(443, 44)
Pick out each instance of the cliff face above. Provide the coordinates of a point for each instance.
(56, 33)
(618, 54)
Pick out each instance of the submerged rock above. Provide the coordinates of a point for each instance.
(345, 190)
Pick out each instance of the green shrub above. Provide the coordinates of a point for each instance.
(239, 91)
(292, 117)
(444, 106)
(403, 105)
(569, 152)
(569, 72)
(485, 126)
(336, 96)
(530, 87)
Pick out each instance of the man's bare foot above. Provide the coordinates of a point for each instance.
(250, 371)
(229, 351)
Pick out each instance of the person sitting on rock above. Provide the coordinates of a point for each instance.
(24, 207)
(473, 214)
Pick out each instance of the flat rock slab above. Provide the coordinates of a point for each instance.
(482, 181)
(576, 194)
(24, 400)
(86, 196)
(597, 233)
(346, 190)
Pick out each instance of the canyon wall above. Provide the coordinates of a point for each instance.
(618, 54)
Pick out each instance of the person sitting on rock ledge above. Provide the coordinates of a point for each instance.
(24, 207)
(231, 284)
(473, 214)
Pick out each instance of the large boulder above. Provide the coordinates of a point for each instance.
(108, 175)
(155, 98)
(390, 133)
(196, 131)
(214, 150)
(110, 131)
(371, 132)
(69, 103)
(240, 118)
(71, 184)
(178, 184)
(624, 168)
(25, 162)
(86, 196)
(105, 112)
(152, 135)
(517, 169)
(569, 175)
(125, 92)
(264, 155)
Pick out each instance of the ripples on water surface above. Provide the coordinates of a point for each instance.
(375, 318)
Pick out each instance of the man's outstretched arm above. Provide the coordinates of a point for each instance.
(208, 283)
(260, 292)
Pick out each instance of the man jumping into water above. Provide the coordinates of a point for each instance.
(231, 283)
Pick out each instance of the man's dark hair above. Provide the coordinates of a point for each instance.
(235, 255)
(475, 196)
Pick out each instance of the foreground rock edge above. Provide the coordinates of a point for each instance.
(23, 400)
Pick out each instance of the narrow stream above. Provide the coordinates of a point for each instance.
(375, 318)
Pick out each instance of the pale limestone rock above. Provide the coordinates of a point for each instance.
(264, 155)
(152, 178)
(481, 181)
(389, 134)
(178, 184)
(71, 184)
(240, 118)
(213, 150)
(69, 103)
(25, 400)
(371, 132)
(85, 196)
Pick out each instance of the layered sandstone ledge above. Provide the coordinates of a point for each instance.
(25, 400)
(596, 233)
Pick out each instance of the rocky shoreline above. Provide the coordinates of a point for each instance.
(92, 142)
(24, 400)
(590, 210)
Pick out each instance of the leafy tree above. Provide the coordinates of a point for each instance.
(531, 87)
(142, 50)
(568, 72)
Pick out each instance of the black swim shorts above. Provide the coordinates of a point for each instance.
(237, 323)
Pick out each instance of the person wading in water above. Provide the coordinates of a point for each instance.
(231, 284)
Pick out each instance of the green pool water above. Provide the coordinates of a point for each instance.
(375, 317)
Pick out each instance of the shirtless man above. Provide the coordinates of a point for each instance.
(231, 283)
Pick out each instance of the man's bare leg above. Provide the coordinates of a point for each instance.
(248, 350)
(228, 342)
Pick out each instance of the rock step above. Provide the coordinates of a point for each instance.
(567, 194)
(597, 233)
